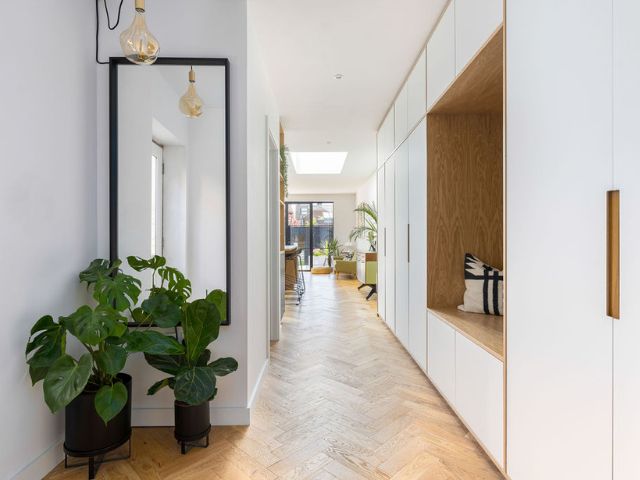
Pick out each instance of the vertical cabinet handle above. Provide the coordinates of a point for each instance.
(613, 253)
(408, 243)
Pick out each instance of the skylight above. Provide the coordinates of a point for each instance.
(318, 163)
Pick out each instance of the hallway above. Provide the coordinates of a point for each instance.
(342, 399)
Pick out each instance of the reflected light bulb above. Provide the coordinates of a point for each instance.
(137, 42)
(190, 102)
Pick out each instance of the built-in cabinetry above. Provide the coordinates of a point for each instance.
(551, 390)
(440, 194)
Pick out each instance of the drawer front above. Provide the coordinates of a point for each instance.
(479, 394)
(441, 356)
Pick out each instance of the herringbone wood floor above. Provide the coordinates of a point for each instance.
(341, 400)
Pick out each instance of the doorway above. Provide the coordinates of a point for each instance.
(311, 226)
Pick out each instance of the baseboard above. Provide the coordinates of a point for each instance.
(256, 387)
(42, 465)
(164, 417)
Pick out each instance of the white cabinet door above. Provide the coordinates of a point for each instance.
(441, 56)
(479, 394)
(401, 119)
(386, 137)
(402, 244)
(626, 330)
(390, 244)
(417, 91)
(558, 140)
(418, 244)
(382, 246)
(476, 20)
(442, 357)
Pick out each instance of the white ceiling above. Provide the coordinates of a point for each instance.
(373, 43)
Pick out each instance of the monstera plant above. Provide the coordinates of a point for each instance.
(192, 374)
(102, 329)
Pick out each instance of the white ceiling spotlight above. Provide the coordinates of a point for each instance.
(338, 76)
(318, 163)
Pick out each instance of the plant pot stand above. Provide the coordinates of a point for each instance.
(192, 425)
(93, 460)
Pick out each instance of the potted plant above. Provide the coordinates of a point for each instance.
(332, 247)
(368, 224)
(92, 388)
(192, 374)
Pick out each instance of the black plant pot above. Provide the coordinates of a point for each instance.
(86, 435)
(193, 422)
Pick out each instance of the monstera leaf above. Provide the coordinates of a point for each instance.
(94, 326)
(111, 359)
(110, 400)
(201, 326)
(163, 312)
(195, 385)
(65, 380)
(179, 287)
(121, 291)
(98, 269)
(154, 343)
(46, 344)
(140, 264)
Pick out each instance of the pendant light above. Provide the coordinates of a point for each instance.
(190, 102)
(137, 42)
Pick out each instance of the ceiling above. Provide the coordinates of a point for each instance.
(373, 43)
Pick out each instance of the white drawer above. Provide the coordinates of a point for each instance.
(441, 356)
(479, 394)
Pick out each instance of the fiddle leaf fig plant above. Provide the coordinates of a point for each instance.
(102, 329)
(192, 374)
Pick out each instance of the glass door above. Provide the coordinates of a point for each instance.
(310, 225)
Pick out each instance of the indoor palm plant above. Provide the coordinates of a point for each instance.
(192, 374)
(333, 248)
(368, 227)
(92, 388)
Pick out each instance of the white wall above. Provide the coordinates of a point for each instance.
(262, 116)
(344, 218)
(47, 204)
(197, 28)
(368, 192)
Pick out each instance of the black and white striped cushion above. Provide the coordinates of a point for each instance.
(485, 287)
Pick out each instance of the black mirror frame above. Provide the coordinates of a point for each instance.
(114, 62)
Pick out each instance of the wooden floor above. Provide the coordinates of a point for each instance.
(342, 400)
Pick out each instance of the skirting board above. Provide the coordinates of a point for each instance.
(164, 417)
(43, 464)
(256, 387)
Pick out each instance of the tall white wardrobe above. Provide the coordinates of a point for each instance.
(573, 383)
(402, 211)
(552, 389)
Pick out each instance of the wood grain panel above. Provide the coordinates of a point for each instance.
(486, 331)
(478, 88)
(465, 200)
(613, 253)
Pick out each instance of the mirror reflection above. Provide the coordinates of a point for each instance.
(172, 169)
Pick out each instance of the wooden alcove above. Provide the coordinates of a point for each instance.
(465, 184)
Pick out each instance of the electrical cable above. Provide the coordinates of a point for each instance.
(109, 26)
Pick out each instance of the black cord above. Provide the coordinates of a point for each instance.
(109, 26)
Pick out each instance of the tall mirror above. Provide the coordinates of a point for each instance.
(169, 166)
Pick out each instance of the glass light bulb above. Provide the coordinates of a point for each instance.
(190, 102)
(137, 42)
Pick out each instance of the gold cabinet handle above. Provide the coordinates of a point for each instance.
(613, 253)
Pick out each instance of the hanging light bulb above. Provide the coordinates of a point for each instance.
(190, 102)
(137, 42)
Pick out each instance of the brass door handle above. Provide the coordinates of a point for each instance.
(613, 253)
